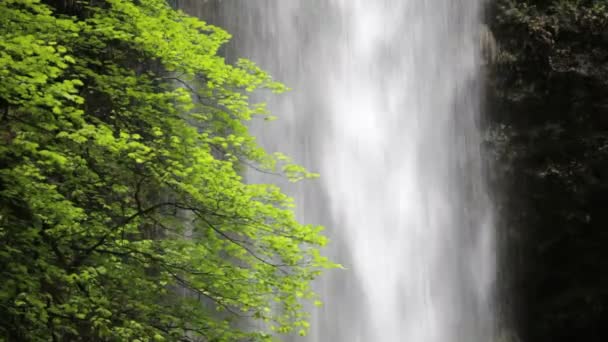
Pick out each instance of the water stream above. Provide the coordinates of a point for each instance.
(385, 105)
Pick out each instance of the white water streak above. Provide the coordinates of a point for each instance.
(385, 106)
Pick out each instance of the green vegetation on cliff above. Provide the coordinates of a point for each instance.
(123, 216)
(549, 98)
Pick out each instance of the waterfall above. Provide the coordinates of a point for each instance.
(385, 106)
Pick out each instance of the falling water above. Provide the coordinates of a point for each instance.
(385, 105)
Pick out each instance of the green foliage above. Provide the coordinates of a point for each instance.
(123, 216)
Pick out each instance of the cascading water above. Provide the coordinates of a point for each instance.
(385, 105)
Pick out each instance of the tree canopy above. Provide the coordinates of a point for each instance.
(124, 215)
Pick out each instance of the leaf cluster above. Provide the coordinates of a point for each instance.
(123, 214)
